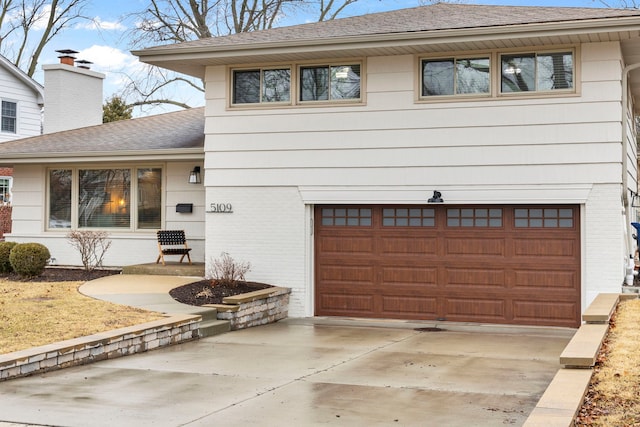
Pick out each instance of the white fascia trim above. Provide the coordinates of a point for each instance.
(104, 156)
(498, 194)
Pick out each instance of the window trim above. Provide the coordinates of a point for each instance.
(455, 58)
(16, 118)
(536, 53)
(133, 198)
(294, 95)
(262, 69)
(496, 75)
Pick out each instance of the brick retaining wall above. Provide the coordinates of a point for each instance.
(254, 308)
(101, 346)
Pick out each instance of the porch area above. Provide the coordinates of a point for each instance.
(172, 268)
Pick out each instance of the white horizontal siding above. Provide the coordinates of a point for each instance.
(29, 116)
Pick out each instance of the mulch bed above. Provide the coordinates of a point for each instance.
(62, 274)
(209, 292)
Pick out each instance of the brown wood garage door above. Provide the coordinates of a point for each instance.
(502, 264)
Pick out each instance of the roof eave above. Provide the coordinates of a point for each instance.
(102, 156)
(200, 53)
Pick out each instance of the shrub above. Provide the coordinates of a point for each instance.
(5, 250)
(227, 271)
(29, 259)
(92, 246)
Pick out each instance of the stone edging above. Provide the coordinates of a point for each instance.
(563, 398)
(254, 308)
(105, 345)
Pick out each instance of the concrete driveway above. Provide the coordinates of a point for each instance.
(306, 372)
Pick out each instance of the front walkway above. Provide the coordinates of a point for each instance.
(306, 372)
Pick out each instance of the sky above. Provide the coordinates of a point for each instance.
(108, 45)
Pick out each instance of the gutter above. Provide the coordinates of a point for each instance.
(625, 170)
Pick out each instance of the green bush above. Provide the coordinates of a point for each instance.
(5, 249)
(29, 259)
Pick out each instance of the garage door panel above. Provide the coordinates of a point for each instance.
(498, 264)
(338, 304)
(350, 245)
(426, 276)
(475, 310)
(471, 278)
(545, 248)
(405, 246)
(404, 306)
(346, 274)
(556, 313)
(545, 280)
(475, 246)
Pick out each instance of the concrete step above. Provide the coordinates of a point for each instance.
(209, 328)
(210, 325)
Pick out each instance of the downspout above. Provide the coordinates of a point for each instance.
(630, 267)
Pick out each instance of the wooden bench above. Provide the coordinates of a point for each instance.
(172, 242)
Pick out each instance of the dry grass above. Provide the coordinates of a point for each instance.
(614, 395)
(39, 313)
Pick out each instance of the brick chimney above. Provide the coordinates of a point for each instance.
(72, 95)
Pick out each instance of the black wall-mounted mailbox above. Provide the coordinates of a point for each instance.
(184, 207)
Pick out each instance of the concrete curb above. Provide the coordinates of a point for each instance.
(105, 345)
(563, 398)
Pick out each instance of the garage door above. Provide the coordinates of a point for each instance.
(499, 264)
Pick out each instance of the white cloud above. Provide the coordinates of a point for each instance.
(107, 58)
(99, 24)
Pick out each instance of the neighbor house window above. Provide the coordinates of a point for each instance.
(261, 86)
(105, 198)
(456, 76)
(330, 82)
(537, 72)
(9, 117)
(5, 190)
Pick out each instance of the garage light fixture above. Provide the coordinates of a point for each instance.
(437, 197)
(194, 175)
(635, 199)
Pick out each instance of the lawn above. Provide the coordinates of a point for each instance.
(613, 398)
(38, 313)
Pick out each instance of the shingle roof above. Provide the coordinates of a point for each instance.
(181, 130)
(441, 16)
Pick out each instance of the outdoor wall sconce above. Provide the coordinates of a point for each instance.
(437, 197)
(635, 199)
(194, 175)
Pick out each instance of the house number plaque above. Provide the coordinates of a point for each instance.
(220, 208)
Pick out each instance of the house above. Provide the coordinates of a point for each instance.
(22, 100)
(448, 162)
(459, 162)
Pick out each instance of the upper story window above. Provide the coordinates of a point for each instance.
(456, 76)
(259, 86)
(9, 117)
(530, 72)
(330, 82)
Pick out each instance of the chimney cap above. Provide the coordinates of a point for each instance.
(67, 51)
(83, 63)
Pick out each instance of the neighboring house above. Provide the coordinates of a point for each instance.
(457, 162)
(329, 139)
(22, 99)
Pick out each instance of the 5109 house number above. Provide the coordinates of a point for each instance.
(220, 208)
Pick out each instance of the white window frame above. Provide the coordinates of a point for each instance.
(261, 70)
(2, 117)
(133, 196)
(455, 58)
(536, 53)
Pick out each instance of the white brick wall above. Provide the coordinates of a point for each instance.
(267, 229)
(604, 241)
